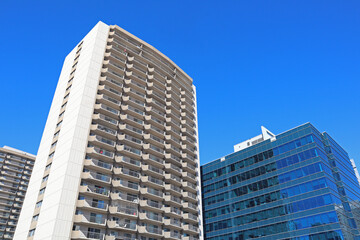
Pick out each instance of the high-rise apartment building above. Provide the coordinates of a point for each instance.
(119, 154)
(298, 185)
(15, 171)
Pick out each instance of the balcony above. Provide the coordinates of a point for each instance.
(152, 181)
(190, 207)
(173, 200)
(122, 224)
(171, 178)
(109, 101)
(172, 235)
(110, 92)
(93, 221)
(173, 131)
(96, 177)
(189, 158)
(190, 197)
(92, 205)
(151, 231)
(189, 217)
(189, 228)
(175, 151)
(154, 130)
(130, 140)
(108, 111)
(136, 84)
(189, 167)
(128, 162)
(155, 121)
(189, 177)
(104, 131)
(188, 186)
(151, 217)
(152, 193)
(154, 171)
(102, 142)
(133, 111)
(190, 238)
(129, 151)
(172, 168)
(105, 120)
(151, 205)
(117, 195)
(173, 212)
(173, 123)
(173, 140)
(126, 118)
(99, 153)
(173, 189)
(115, 84)
(191, 150)
(124, 211)
(126, 185)
(127, 173)
(173, 223)
(133, 102)
(96, 192)
(154, 140)
(154, 150)
(126, 128)
(80, 234)
(155, 112)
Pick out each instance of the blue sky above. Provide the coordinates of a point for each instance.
(273, 63)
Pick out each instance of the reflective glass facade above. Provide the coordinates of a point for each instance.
(298, 186)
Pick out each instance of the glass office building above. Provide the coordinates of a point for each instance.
(298, 185)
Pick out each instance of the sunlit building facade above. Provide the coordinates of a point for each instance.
(15, 171)
(298, 185)
(119, 154)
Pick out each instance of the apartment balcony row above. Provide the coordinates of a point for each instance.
(126, 173)
(125, 197)
(94, 206)
(94, 191)
(100, 153)
(104, 131)
(116, 84)
(134, 111)
(128, 162)
(83, 234)
(96, 177)
(102, 142)
(109, 101)
(128, 186)
(106, 120)
(113, 95)
(124, 212)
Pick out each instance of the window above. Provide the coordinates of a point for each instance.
(45, 178)
(35, 218)
(54, 144)
(64, 105)
(61, 114)
(31, 233)
(67, 95)
(51, 155)
(59, 124)
(41, 191)
(38, 204)
(48, 166)
(56, 134)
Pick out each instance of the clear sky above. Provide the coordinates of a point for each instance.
(273, 63)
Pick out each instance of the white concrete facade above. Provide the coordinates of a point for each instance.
(58, 207)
